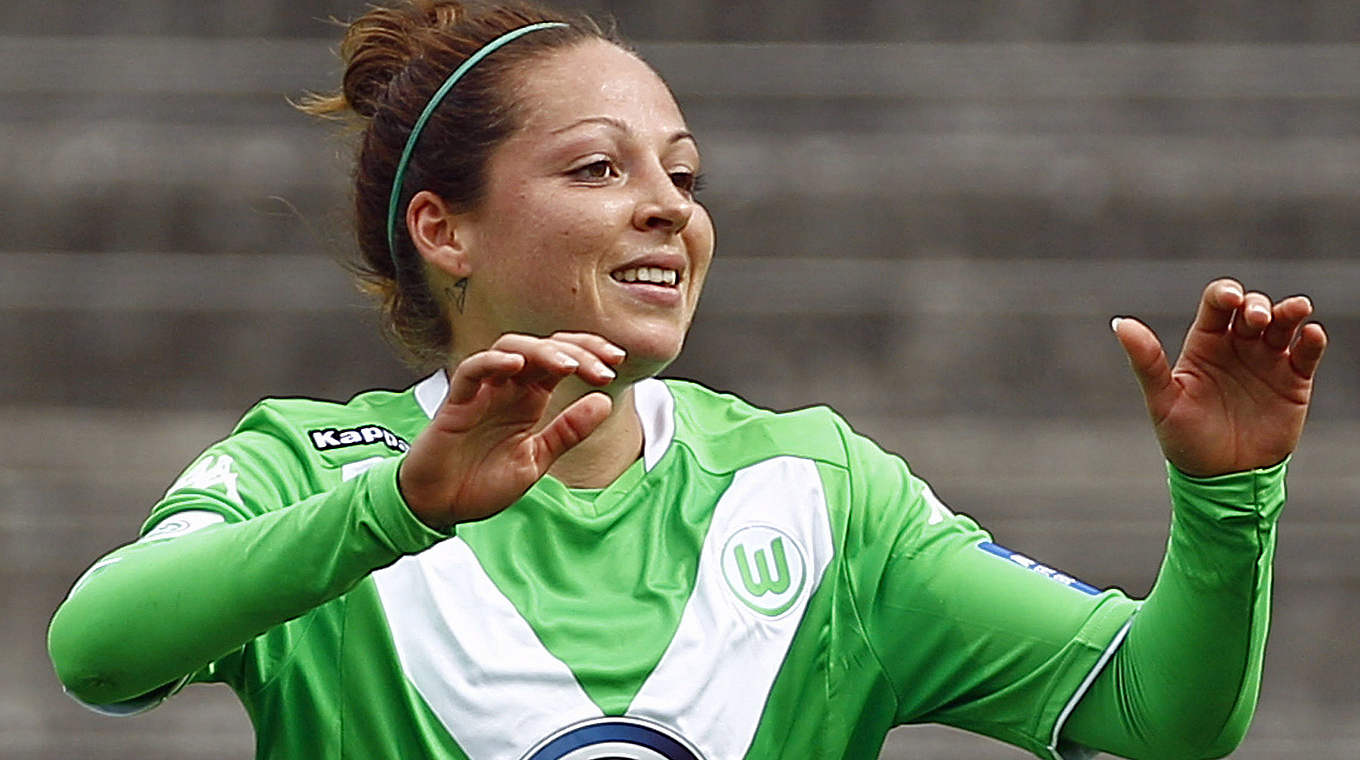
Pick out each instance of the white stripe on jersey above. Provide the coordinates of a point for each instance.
(656, 410)
(713, 681)
(478, 664)
(431, 391)
(483, 671)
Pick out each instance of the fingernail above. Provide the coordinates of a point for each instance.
(1258, 309)
(616, 351)
(611, 374)
(568, 361)
(1114, 323)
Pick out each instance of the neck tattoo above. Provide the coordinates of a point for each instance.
(458, 294)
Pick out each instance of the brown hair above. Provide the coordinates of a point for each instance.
(396, 57)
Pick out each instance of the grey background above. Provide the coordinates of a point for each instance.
(927, 214)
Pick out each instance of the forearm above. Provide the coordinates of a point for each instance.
(1185, 681)
(159, 610)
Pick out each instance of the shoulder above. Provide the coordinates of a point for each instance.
(727, 432)
(376, 418)
(286, 449)
(872, 494)
(282, 441)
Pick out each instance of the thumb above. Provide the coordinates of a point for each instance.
(1146, 357)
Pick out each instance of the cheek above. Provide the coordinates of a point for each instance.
(558, 248)
(699, 238)
(570, 234)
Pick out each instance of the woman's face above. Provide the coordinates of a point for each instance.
(590, 221)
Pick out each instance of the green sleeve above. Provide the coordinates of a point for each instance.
(151, 613)
(968, 634)
(1185, 681)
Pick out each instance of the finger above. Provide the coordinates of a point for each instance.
(593, 368)
(545, 360)
(1221, 298)
(569, 428)
(1146, 357)
(596, 344)
(482, 366)
(558, 358)
(1285, 320)
(1307, 350)
(1253, 316)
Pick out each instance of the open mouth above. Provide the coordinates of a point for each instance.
(648, 275)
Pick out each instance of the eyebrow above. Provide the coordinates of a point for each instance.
(618, 124)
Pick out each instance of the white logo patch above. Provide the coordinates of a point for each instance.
(765, 569)
(182, 523)
(938, 511)
(210, 471)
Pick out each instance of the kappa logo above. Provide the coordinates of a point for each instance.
(765, 568)
(338, 438)
(209, 472)
(938, 511)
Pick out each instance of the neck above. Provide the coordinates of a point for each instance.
(604, 455)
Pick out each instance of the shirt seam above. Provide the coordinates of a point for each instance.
(1262, 525)
(844, 572)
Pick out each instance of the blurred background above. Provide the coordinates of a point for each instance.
(927, 214)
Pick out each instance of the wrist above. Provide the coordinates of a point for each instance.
(416, 498)
(1195, 475)
(420, 520)
(1255, 494)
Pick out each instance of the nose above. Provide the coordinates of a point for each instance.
(663, 206)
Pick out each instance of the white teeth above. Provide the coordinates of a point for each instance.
(655, 275)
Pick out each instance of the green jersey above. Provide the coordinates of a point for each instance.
(756, 585)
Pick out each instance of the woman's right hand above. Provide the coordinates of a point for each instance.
(488, 443)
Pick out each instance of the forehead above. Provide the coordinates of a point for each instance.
(595, 78)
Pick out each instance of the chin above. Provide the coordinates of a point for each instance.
(649, 355)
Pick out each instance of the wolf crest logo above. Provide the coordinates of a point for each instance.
(765, 568)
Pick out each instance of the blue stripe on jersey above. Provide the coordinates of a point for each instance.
(1043, 570)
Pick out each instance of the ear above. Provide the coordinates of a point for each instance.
(440, 236)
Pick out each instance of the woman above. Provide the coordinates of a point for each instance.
(540, 551)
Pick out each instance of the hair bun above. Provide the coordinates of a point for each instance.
(379, 46)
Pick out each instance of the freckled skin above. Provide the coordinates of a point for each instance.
(545, 241)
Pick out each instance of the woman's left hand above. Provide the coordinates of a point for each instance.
(1239, 393)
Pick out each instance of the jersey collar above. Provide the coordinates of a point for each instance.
(651, 398)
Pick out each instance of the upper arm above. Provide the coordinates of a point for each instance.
(235, 480)
(970, 635)
(251, 473)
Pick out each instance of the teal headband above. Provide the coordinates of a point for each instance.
(438, 98)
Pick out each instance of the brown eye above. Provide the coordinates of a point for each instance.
(597, 170)
(689, 183)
